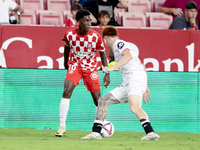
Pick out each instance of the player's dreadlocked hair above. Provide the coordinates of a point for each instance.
(81, 13)
(109, 31)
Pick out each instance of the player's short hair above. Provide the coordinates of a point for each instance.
(81, 13)
(191, 5)
(103, 13)
(76, 6)
(109, 31)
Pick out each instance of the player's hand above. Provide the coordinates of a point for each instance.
(177, 11)
(193, 22)
(107, 69)
(146, 96)
(106, 80)
(66, 66)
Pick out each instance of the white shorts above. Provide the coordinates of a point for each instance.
(133, 86)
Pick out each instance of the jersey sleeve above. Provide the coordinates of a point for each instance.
(122, 47)
(65, 39)
(100, 46)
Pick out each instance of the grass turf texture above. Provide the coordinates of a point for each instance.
(34, 139)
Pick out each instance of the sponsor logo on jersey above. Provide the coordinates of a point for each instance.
(94, 75)
(120, 45)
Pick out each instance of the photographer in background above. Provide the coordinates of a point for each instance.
(5, 6)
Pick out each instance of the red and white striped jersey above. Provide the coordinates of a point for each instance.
(84, 48)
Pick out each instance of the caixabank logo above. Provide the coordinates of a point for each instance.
(52, 61)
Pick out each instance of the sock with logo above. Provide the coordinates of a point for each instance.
(146, 125)
(97, 126)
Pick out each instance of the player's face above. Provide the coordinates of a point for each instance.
(85, 23)
(104, 20)
(191, 13)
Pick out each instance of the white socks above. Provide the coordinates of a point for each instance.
(64, 107)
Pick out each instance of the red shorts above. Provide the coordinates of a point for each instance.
(90, 78)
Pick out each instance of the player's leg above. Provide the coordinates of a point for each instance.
(71, 80)
(103, 104)
(96, 95)
(92, 83)
(135, 104)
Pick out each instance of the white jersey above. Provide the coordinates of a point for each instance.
(5, 6)
(131, 68)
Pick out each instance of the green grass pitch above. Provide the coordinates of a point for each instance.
(35, 139)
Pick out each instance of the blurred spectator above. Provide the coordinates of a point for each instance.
(177, 7)
(104, 18)
(72, 20)
(80, 1)
(187, 20)
(95, 6)
(5, 6)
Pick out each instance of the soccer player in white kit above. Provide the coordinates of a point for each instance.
(133, 88)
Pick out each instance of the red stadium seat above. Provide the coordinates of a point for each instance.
(139, 6)
(47, 17)
(116, 12)
(29, 17)
(32, 4)
(58, 5)
(66, 14)
(159, 20)
(133, 19)
(157, 4)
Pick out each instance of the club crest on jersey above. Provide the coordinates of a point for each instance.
(71, 71)
(94, 75)
(120, 45)
(89, 45)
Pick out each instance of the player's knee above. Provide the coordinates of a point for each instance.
(135, 109)
(101, 102)
(67, 93)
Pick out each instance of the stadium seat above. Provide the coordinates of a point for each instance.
(58, 5)
(139, 6)
(29, 17)
(157, 4)
(66, 14)
(133, 19)
(32, 4)
(116, 12)
(47, 17)
(160, 20)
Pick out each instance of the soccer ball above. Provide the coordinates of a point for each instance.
(107, 129)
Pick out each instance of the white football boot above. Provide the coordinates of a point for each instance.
(151, 136)
(93, 135)
(61, 131)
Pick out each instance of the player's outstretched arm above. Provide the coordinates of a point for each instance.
(106, 79)
(66, 55)
(125, 59)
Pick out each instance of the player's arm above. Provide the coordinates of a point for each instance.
(66, 55)
(125, 59)
(146, 95)
(106, 79)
